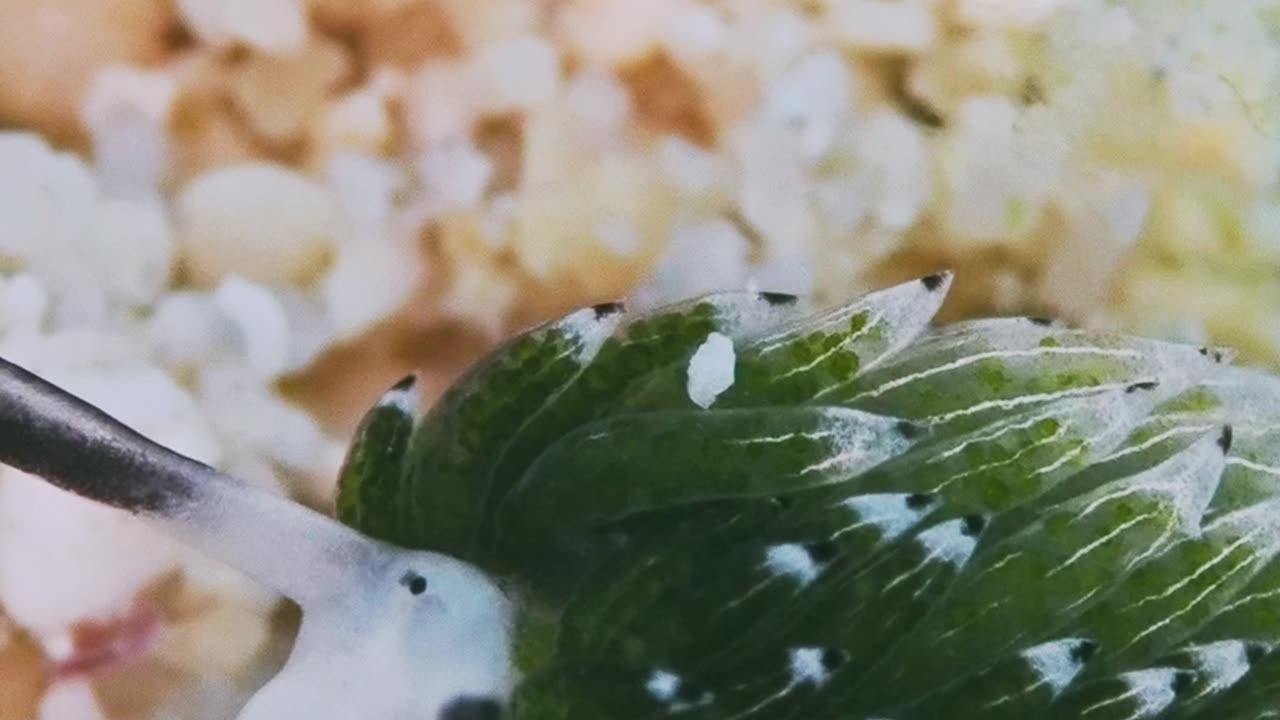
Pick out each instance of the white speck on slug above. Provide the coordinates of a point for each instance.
(793, 561)
(711, 370)
(1056, 663)
(807, 667)
(662, 685)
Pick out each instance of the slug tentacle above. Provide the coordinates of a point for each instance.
(74, 445)
(387, 633)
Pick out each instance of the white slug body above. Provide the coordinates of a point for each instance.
(376, 650)
(387, 633)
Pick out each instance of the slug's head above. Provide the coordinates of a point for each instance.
(416, 634)
(387, 633)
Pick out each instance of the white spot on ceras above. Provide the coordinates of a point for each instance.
(793, 561)
(891, 513)
(1152, 690)
(1057, 663)
(807, 666)
(663, 686)
(951, 542)
(1221, 663)
(711, 369)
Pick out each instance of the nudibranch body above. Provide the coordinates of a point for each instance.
(743, 507)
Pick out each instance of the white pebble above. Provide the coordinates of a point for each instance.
(256, 424)
(45, 198)
(272, 26)
(600, 106)
(702, 257)
(693, 171)
(999, 167)
(365, 187)
(441, 102)
(358, 121)
(1103, 218)
(695, 31)
(810, 100)
(262, 221)
(881, 25)
(127, 112)
(518, 73)
(92, 560)
(261, 322)
(619, 235)
(454, 175)
(771, 41)
(773, 189)
(606, 33)
(791, 271)
(133, 251)
(139, 394)
(368, 282)
(187, 329)
(1005, 14)
(711, 370)
(895, 154)
(72, 699)
(23, 304)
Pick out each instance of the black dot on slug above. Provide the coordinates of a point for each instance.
(1182, 681)
(1224, 440)
(604, 310)
(833, 658)
(415, 582)
(1042, 321)
(1254, 652)
(1144, 385)
(689, 693)
(777, 298)
(1204, 351)
(472, 708)
(822, 552)
(973, 525)
(933, 282)
(909, 430)
(1084, 651)
(917, 501)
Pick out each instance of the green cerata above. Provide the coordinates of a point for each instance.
(742, 507)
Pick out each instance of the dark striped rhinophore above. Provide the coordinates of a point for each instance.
(745, 508)
(48, 432)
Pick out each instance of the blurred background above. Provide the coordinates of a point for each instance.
(233, 223)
